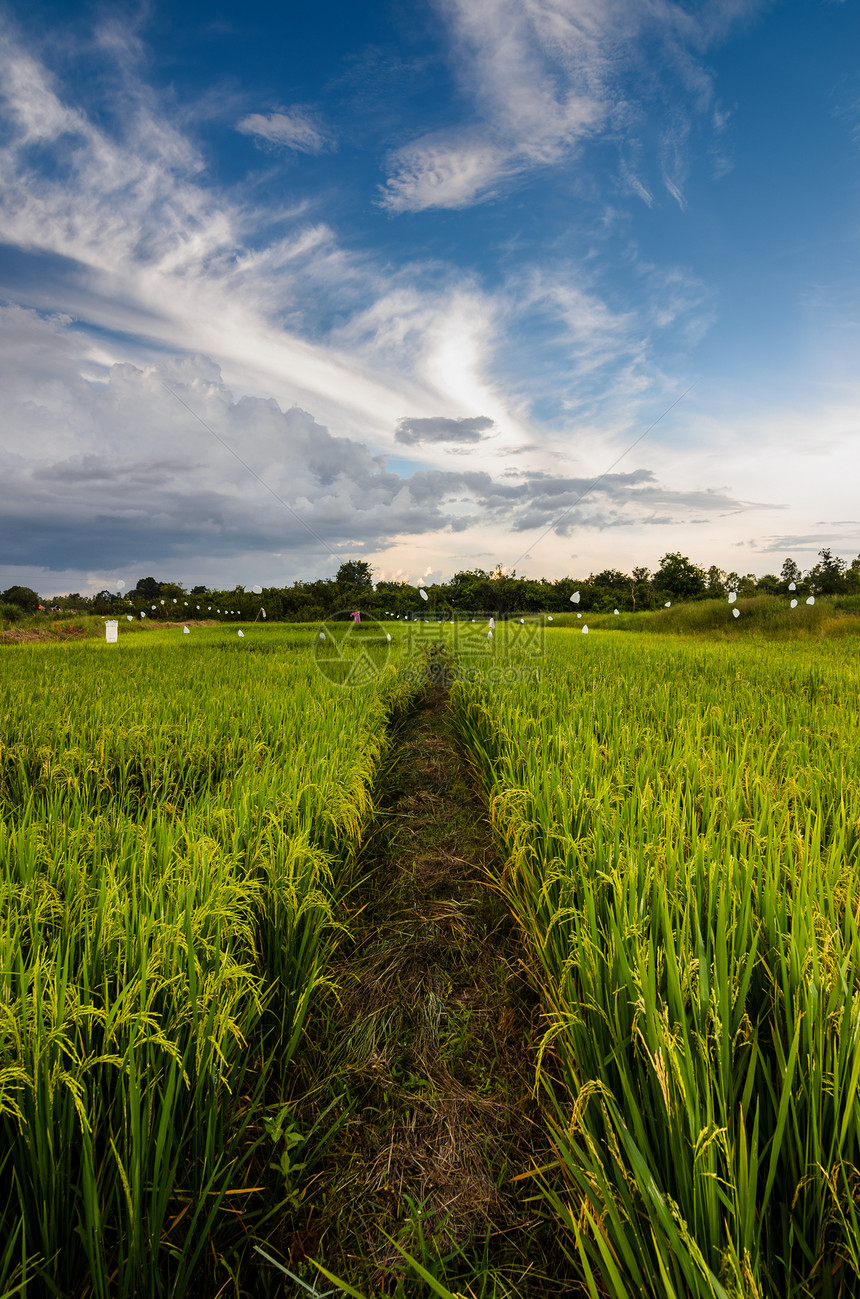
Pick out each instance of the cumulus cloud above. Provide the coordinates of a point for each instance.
(122, 470)
(118, 474)
(290, 129)
(440, 429)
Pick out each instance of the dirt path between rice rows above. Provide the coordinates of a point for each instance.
(433, 1042)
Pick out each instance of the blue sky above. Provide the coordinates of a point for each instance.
(428, 270)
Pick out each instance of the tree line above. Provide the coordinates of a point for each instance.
(472, 590)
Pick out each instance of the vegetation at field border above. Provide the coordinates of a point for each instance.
(677, 579)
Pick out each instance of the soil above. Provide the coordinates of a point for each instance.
(429, 1049)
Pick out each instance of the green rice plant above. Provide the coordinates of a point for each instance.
(177, 824)
(682, 822)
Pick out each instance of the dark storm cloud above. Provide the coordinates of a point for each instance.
(101, 475)
(540, 500)
(438, 429)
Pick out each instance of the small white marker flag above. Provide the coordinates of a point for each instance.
(185, 631)
(111, 631)
(574, 599)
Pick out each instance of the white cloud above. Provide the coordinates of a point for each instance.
(142, 246)
(292, 129)
(148, 260)
(545, 76)
(118, 476)
(444, 173)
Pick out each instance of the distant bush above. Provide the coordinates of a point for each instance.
(11, 612)
(763, 615)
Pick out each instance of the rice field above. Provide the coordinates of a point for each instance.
(681, 822)
(180, 820)
(179, 816)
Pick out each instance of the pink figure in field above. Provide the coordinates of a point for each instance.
(356, 616)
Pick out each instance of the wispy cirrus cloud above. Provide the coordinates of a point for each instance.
(134, 252)
(294, 129)
(446, 172)
(142, 244)
(546, 76)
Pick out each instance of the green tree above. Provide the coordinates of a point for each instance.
(107, 602)
(393, 597)
(679, 578)
(610, 588)
(355, 573)
(641, 590)
(23, 596)
(472, 589)
(716, 582)
(826, 576)
(790, 573)
(147, 589)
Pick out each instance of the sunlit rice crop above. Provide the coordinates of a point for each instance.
(681, 822)
(177, 821)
